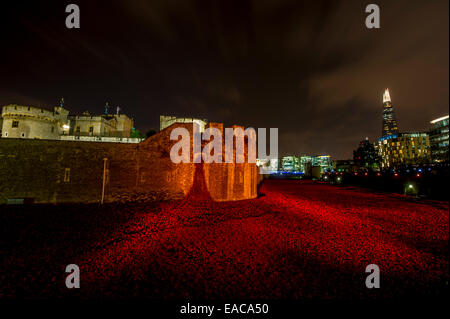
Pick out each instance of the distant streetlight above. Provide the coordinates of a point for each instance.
(411, 189)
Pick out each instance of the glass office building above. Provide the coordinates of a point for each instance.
(439, 139)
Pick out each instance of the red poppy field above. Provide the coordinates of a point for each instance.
(298, 240)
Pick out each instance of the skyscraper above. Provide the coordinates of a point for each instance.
(389, 122)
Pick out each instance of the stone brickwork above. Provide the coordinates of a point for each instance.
(58, 171)
(231, 181)
(53, 171)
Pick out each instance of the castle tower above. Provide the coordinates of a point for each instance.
(389, 122)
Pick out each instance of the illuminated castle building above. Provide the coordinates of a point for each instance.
(105, 125)
(389, 122)
(34, 122)
(57, 124)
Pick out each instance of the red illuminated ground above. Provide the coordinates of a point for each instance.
(300, 240)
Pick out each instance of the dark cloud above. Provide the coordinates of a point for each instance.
(310, 68)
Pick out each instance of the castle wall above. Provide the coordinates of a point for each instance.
(101, 126)
(54, 171)
(157, 172)
(59, 171)
(31, 122)
(30, 128)
(124, 125)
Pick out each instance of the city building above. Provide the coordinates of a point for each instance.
(33, 122)
(167, 120)
(365, 156)
(439, 139)
(308, 162)
(344, 166)
(404, 149)
(322, 161)
(389, 122)
(290, 164)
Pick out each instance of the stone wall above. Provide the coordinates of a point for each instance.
(52, 171)
(32, 122)
(33, 128)
(36, 169)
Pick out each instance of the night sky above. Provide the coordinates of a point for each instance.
(310, 68)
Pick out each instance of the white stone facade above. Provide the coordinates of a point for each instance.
(19, 121)
(117, 125)
(32, 122)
